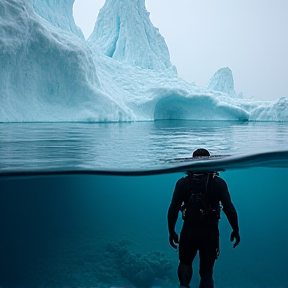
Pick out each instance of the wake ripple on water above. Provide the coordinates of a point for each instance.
(277, 159)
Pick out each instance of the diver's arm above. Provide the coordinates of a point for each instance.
(228, 207)
(232, 217)
(173, 211)
(230, 212)
(175, 205)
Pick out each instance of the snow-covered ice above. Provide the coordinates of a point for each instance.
(49, 72)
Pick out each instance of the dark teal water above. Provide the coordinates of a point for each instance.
(85, 205)
(102, 230)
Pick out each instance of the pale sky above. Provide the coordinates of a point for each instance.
(248, 36)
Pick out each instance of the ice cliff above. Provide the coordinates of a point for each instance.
(48, 72)
(47, 9)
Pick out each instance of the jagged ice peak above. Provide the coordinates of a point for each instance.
(222, 81)
(124, 32)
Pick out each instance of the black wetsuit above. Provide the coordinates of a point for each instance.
(202, 236)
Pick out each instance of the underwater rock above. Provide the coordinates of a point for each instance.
(141, 269)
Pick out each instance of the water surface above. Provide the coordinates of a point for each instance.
(130, 145)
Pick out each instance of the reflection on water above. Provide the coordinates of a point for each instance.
(130, 145)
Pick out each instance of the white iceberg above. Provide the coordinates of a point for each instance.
(223, 81)
(274, 111)
(124, 32)
(49, 72)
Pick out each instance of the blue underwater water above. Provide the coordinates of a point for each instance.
(72, 224)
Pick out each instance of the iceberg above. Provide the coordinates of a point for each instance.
(123, 72)
(124, 32)
(194, 107)
(47, 70)
(274, 111)
(46, 9)
(223, 81)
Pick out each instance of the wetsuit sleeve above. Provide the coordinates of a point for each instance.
(228, 206)
(175, 205)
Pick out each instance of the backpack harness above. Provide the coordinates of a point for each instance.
(198, 208)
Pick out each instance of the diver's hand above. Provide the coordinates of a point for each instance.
(173, 238)
(235, 235)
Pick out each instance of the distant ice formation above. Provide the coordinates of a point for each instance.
(223, 81)
(271, 110)
(49, 72)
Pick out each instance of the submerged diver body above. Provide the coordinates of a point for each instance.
(201, 194)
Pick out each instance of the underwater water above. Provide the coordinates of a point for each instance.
(94, 227)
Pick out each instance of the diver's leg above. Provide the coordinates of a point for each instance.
(187, 253)
(208, 255)
(185, 274)
(206, 270)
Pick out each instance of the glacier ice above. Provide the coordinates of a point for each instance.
(274, 111)
(194, 107)
(124, 32)
(49, 72)
(65, 20)
(223, 81)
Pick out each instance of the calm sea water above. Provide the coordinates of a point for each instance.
(130, 145)
(93, 230)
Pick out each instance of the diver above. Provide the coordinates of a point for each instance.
(199, 196)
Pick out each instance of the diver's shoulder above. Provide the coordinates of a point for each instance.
(220, 181)
(181, 181)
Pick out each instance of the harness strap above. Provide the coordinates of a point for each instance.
(200, 194)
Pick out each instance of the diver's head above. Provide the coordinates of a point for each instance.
(201, 152)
